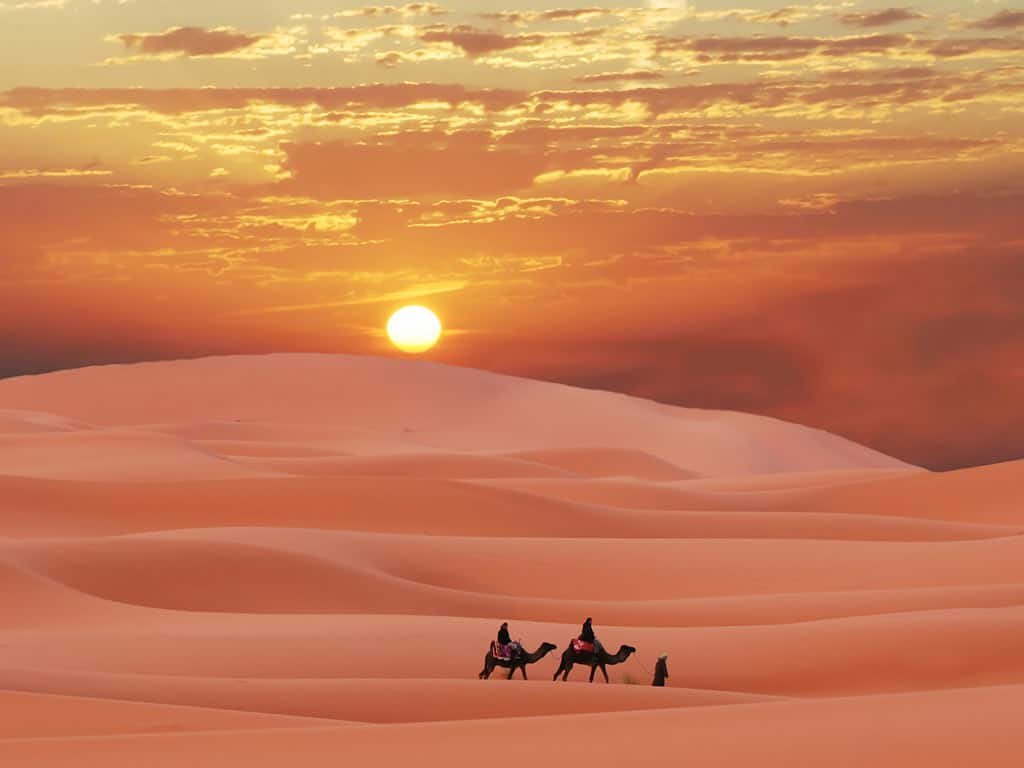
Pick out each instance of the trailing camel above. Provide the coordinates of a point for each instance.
(593, 659)
(520, 661)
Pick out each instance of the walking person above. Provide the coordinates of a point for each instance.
(661, 671)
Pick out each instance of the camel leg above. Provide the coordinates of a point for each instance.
(523, 670)
(486, 671)
(511, 671)
(604, 672)
(593, 669)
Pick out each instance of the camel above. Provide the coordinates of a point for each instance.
(519, 662)
(593, 660)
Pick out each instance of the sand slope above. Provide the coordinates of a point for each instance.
(249, 561)
(431, 406)
(944, 729)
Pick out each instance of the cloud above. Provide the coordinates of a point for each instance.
(851, 92)
(764, 48)
(783, 17)
(51, 173)
(410, 164)
(634, 76)
(1005, 19)
(409, 10)
(183, 100)
(880, 18)
(189, 41)
(953, 48)
(475, 42)
(760, 49)
(31, 5)
(555, 14)
(426, 165)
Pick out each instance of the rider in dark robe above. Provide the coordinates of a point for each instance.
(587, 636)
(661, 671)
(587, 633)
(506, 647)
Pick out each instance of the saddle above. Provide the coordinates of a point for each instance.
(582, 646)
(501, 652)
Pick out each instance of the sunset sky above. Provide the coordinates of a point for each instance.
(812, 211)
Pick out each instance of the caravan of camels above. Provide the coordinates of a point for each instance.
(585, 650)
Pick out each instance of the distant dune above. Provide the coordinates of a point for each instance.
(373, 406)
(302, 559)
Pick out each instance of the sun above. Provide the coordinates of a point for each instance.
(414, 329)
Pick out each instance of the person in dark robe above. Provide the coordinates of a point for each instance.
(506, 648)
(661, 671)
(587, 633)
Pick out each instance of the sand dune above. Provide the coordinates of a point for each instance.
(431, 405)
(39, 508)
(608, 462)
(942, 729)
(247, 561)
(920, 650)
(111, 455)
(315, 569)
(34, 422)
(369, 700)
(984, 494)
(39, 716)
(453, 466)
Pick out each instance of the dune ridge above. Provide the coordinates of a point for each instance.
(236, 561)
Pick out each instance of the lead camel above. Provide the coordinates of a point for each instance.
(593, 659)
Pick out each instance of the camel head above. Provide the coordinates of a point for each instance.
(547, 647)
(627, 650)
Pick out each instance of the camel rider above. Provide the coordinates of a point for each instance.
(587, 635)
(506, 647)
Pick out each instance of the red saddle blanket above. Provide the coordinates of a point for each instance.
(582, 646)
(502, 652)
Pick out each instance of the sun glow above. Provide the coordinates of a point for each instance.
(414, 329)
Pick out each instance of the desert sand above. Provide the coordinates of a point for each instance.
(301, 559)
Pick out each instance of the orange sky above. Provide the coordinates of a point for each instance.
(805, 210)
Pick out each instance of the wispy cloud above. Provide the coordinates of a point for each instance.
(880, 18)
(189, 41)
(1004, 19)
(417, 291)
(52, 173)
(407, 11)
(199, 43)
